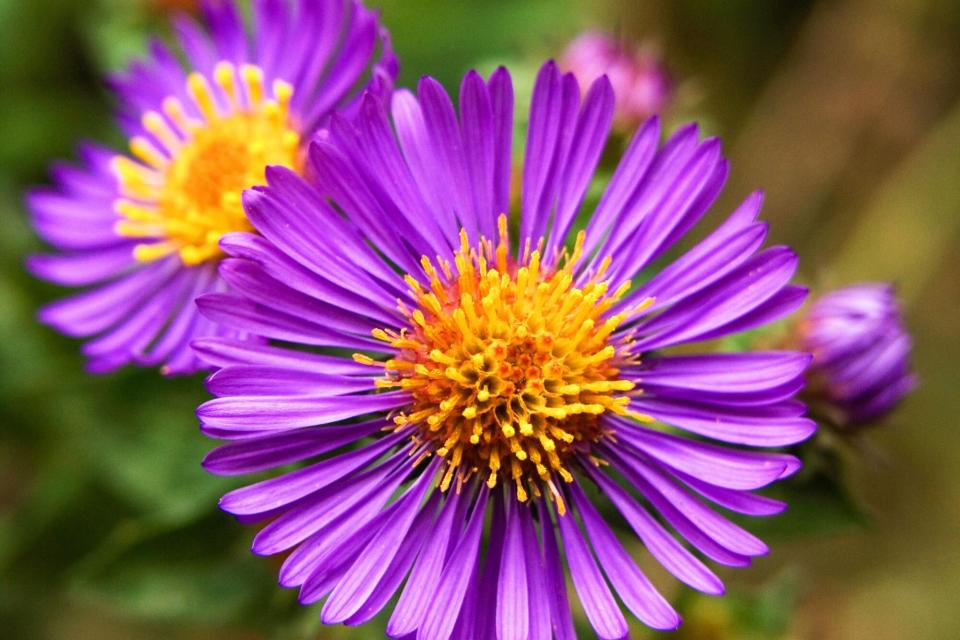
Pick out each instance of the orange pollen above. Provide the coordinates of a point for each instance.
(510, 365)
(181, 190)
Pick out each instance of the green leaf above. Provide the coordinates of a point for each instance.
(763, 613)
(193, 575)
(819, 503)
(151, 453)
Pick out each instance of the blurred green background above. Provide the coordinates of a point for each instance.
(847, 112)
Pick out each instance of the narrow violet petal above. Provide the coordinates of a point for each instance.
(441, 122)
(589, 138)
(539, 603)
(490, 576)
(500, 87)
(633, 167)
(561, 619)
(264, 380)
(725, 372)
(318, 552)
(274, 450)
(224, 352)
(634, 588)
(281, 267)
(674, 557)
(83, 268)
(738, 501)
(713, 534)
(260, 319)
(733, 297)
(721, 466)
(363, 577)
(267, 413)
(457, 574)
(764, 427)
(598, 603)
(721, 252)
(317, 511)
(343, 551)
(512, 589)
(477, 131)
(270, 494)
(424, 579)
(400, 566)
(97, 309)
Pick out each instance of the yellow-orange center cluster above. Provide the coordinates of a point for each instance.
(509, 365)
(184, 195)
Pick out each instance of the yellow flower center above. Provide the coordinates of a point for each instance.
(184, 195)
(509, 365)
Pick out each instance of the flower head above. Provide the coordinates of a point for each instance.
(642, 85)
(860, 350)
(497, 367)
(141, 228)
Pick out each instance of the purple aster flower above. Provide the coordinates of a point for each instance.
(642, 85)
(140, 231)
(493, 376)
(860, 350)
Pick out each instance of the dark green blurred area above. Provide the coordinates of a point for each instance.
(846, 112)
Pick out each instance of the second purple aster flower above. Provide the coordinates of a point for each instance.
(141, 230)
(479, 376)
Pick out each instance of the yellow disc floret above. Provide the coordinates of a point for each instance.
(509, 364)
(182, 192)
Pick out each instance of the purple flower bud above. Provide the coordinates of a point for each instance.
(641, 83)
(860, 351)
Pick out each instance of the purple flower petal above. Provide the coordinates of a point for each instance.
(633, 167)
(400, 566)
(598, 603)
(537, 590)
(273, 493)
(259, 319)
(772, 426)
(221, 352)
(279, 266)
(589, 137)
(634, 588)
(440, 121)
(561, 619)
(731, 298)
(714, 535)
(457, 574)
(553, 113)
(489, 578)
(99, 309)
(724, 372)
(271, 413)
(477, 132)
(671, 554)
(732, 499)
(266, 452)
(501, 98)
(411, 608)
(362, 578)
(253, 380)
(83, 268)
(721, 466)
(512, 605)
(322, 508)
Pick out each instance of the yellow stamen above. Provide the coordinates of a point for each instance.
(510, 364)
(183, 191)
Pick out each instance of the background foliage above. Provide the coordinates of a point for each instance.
(847, 112)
